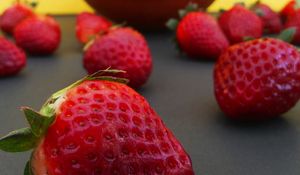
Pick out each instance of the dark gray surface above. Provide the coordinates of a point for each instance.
(181, 91)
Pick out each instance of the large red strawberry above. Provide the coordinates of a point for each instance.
(12, 16)
(38, 35)
(198, 34)
(120, 48)
(293, 20)
(258, 79)
(96, 127)
(88, 25)
(12, 59)
(270, 19)
(239, 23)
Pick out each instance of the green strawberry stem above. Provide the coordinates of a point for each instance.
(173, 23)
(191, 7)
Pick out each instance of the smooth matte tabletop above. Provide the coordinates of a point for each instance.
(181, 91)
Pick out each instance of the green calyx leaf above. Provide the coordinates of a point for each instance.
(191, 7)
(172, 24)
(19, 141)
(248, 38)
(39, 123)
(259, 12)
(28, 170)
(297, 5)
(288, 34)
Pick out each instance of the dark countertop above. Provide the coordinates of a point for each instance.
(181, 91)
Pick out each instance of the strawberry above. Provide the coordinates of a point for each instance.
(12, 59)
(120, 48)
(12, 16)
(258, 79)
(89, 24)
(239, 23)
(289, 9)
(294, 21)
(98, 126)
(270, 19)
(38, 35)
(198, 34)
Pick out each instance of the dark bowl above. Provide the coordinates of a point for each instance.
(143, 14)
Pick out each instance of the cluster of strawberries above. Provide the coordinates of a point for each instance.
(36, 34)
(98, 125)
(255, 78)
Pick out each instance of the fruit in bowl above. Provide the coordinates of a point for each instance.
(145, 14)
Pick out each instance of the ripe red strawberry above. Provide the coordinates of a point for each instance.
(12, 16)
(124, 49)
(12, 59)
(198, 34)
(99, 127)
(38, 35)
(270, 19)
(258, 79)
(294, 21)
(88, 25)
(289, 9)
(239, 22)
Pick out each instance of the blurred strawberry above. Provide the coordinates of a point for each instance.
(294, 21)
(12, 59)
(239, 23)
(13, 16)
(270, 19)
(38, 35)
(89, 24)
(289, 9)
(198, 34)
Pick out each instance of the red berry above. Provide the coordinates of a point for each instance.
(12, 59)
(99, 127)
(270, 19)
(289, 9)
(38, 35)
(199, 35)
(88, 25)
(12, 16)
(239, 22)
(294, 21)
(123, 49)
(258, 79)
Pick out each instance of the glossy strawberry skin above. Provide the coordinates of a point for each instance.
(38, 35)
(294, 21)
(239, 22)
(12, 59)
(257, 80)
(123, 49)
(88, 25)
(270, 19)
(105, 127)
(199, 36)
(12, 16)
(288, 10)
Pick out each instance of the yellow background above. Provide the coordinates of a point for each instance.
(76, 6)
